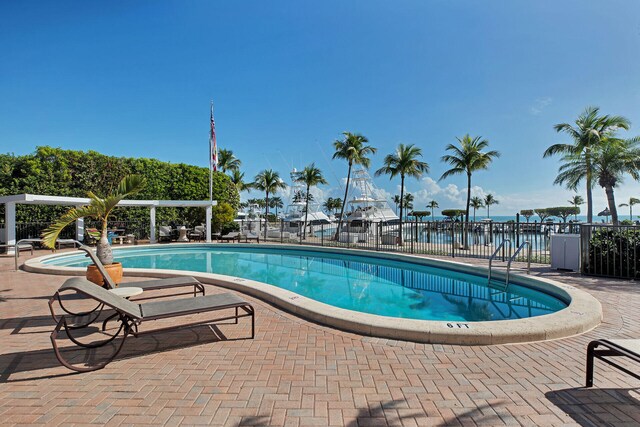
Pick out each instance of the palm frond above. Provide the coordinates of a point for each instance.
(51, 233)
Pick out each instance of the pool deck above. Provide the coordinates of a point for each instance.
(298, 373)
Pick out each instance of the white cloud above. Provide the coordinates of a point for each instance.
(540, 104)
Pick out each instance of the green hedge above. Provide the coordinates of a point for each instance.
(614, 253)
(58, 172)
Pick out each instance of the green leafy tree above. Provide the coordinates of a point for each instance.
(407, 202)
(527, 213)
(270, 182)
(453, 213)
(99, 208)
(587, 134)
(310, 176)
(476, 203)
(396, 201)
(563, 212)
(488, 201)
(221, 215)
(632, 201)
(467, 159)
(404, 162)
(354, 149)
(227, 161)
(543, 213)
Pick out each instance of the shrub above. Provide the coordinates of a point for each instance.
(614, 252)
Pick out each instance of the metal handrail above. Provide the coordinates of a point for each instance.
(500, 246)
(512, 257)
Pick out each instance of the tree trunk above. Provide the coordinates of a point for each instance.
(103, 248)
(401, 206)
(587, 159)
(266, 215)
(344, 203)
(465, 237)
(306, 215)
(611, 200)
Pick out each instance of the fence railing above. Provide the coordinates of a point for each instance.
(455, 239)
(610, 250)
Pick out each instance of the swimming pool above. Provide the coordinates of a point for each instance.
(370, 285)
(380, 294)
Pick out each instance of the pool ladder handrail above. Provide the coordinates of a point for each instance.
(513, 257)
(500, 246)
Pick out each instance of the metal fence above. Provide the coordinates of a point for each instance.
(455, 239)
(610, 250)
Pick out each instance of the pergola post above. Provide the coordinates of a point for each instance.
(207, 228)
(80, 228)
(10, 225)
(152, 225)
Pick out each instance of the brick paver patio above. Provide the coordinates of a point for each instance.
(297, 373)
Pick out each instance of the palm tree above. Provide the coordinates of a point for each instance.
(98, 208)
(227, 161)
(407, 202)
(396, 201)
(615, 158)
(488, 201)
(476, 203)
(354, 150)
(309, 176)
(576, 201)
(238, 180)
(268, 181)
(432, 205)
(468, 158)
(632, 201)
(277, 203)
(403, 162)
(588, 132)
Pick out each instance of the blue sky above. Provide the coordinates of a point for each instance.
(287, 77)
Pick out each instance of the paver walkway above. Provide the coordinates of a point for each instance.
(296, 373)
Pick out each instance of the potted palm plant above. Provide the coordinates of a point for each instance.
(99, 209)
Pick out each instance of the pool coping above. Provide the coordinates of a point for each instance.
(583, 313)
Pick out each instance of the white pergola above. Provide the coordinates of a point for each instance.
(10, 203)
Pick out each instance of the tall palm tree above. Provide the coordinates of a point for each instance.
(227, 161)
(614, 159)
(610, 160)
(488, 201)
(432, 205)
(476, 203)
(632, 201)
(354, 150)
(587, 133)
(310, 176)
(576, 201)
(237, 178)
(403, 162)
(268, 181)
(276, 203)
(466, 159)
(98, 208)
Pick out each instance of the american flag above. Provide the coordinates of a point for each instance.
(213, 146)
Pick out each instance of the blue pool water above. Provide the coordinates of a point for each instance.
(365, 284)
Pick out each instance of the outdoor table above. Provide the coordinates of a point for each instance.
(182, 234)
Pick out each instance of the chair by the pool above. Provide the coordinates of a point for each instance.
(230, 237)
(132, 315)
(165, 233)
(604, 349)
(147, 285)
(251, 236)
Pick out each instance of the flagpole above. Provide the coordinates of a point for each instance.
(211, 136)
